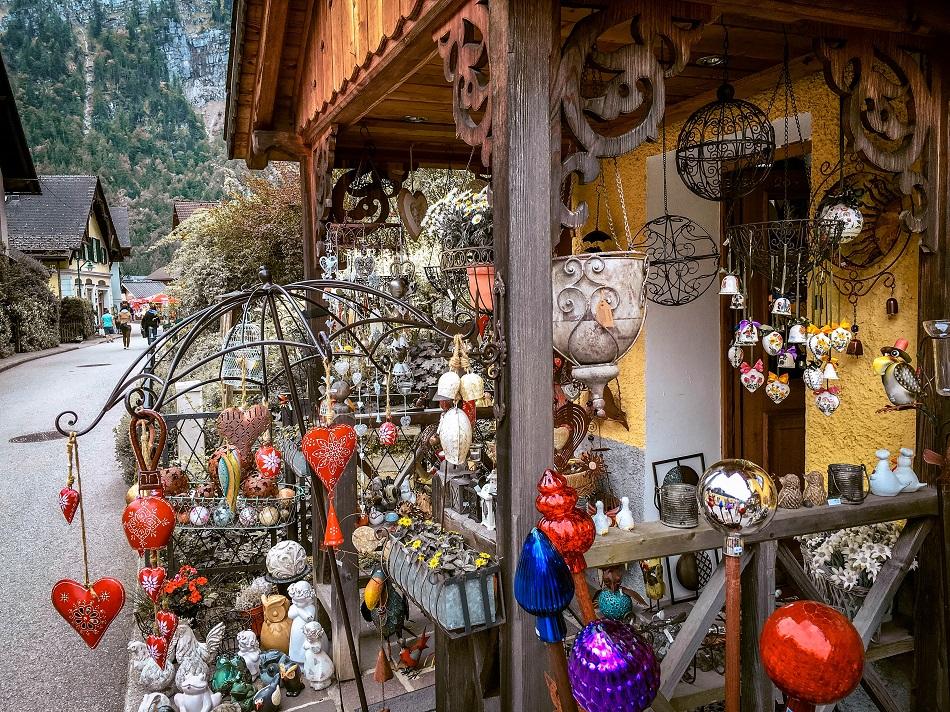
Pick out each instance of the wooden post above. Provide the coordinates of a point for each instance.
(758, 602)
(523, 36)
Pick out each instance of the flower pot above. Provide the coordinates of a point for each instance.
(257, 619)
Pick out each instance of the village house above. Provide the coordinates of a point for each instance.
(17, 174)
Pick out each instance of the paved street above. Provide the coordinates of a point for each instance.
(44, 664)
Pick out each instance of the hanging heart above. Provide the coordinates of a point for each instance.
(242, 427)
(841, 337)
(328, 265)
(734, 354)
(777, 388)
(405, 421)
(812, 377)
(328, 450)
(468, 407)
(268, 460)
(752, 376)
(361, 429)
(819, 343)
(772, 342)
(166, 623)
(827, 401)
(412, 208)
(157, 649)
(356, 377)
(89, 610)
(388, 433)
(152, 580)
(68, 502)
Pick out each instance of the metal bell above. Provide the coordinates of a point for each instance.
(855, 348)
(891, 306)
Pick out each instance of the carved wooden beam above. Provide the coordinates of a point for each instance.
(268, 63)
(677, 24)
(463, 46)
(323, 157)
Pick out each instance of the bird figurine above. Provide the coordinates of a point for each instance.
(790, 496)
(653, 578)
(815, 494)
(411, 656)
(601, 520)
(151, 676)
(900, 380)
(625, 516)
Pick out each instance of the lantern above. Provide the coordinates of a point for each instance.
(939, 331)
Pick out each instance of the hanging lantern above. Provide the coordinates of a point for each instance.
(599, 307)
(730, 285)
(725, 149)
(481, 282)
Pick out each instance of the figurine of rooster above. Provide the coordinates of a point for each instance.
(151, 676)
(899, 378)
(411, 656)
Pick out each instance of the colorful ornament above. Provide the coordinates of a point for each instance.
(68, 502)
(222, 515)
(777, 388)
(152, 579)
(148, 520)
(570, 530)
(612, 669)
(850, 217)
(148, 523)
(827, 400)
(772, 342)
(241, 428)
(798, 333)
(166, 623)
(328, 450)
(89, 609)
(199, 515)
(782, 307)
(787, 356)
(268, 460)
(747, 333)
(819, 343)
(157, 649)
(544, 586)
(248, 516)
(812, 376)
(752, 377)
(258, 485)
(841, 336)
(612, 600)
(269, 516)
(734, 354)
(812, 653)
(229, 474)
(388, 433)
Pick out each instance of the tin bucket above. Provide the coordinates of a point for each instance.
(678, 506)
(849, 481)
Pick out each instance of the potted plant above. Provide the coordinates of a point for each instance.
(185, 593)
(248, 600)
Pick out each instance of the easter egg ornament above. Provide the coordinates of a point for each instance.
(268, 460)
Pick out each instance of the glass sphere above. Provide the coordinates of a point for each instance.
(737, 496)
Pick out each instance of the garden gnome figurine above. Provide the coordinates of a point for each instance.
(601, 520)
(815, 494)
(250, 649)
(905, 472)
(302, 611)
(317, 667)
(790, 496)
(275, 633)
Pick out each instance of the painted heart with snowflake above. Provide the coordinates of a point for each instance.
(89, 610)
(68, 502)
(157, 649)
(328, 450)
(152, 579)
(166, 623)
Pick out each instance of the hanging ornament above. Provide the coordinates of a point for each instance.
(782, 307)
(752, 376)
(229, 474)
(747, 333)
(891, 306)
(166, 623)
(787, 356)
(737, 302)
(68, 502)
(772, 342)
(777, 388)
(152, 580)
(841, 336)
(812, 376)
(268, 460)
(448, 386)
(734, 354)
(455, 434)
(819, 341)
(89, 609)
(387, 432)
(798, 332)
(149, 519)
(730, 285)
(829, 372)
(157, 648)
(827, 400)
(328, 450)
(242, 427)
(848, 214)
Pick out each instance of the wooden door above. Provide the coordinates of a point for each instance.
(755, 428)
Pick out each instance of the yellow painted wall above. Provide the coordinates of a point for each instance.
(99, 270)
(855, 430)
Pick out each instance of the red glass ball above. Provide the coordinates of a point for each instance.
(812, 653)
(571, 530)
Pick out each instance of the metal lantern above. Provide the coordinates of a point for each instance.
(676, 502)
(939, 331)
(725, 149)
(599, 307)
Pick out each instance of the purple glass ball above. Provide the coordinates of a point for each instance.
(612, 669)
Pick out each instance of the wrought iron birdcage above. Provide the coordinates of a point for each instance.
(245, 366)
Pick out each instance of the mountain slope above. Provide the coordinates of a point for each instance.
(128, 90)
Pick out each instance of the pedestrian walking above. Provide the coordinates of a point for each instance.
(125, 324)
(150, 322)
(108, 326)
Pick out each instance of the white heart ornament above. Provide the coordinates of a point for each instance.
(777, 391)
(819, 343)
(734, 354)
(361, 429)
(811, 376)
(752, 377)
(840, 338)
(827, 402)
(773, 342)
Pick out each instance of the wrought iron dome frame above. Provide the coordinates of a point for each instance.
(275, 308)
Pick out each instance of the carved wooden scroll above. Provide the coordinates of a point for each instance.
(890, 109)
(676, 25)
(323, 156)
(463, 45)
(362, 194)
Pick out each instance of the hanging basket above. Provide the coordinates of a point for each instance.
(848, 601)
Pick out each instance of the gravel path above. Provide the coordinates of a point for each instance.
(44, 664)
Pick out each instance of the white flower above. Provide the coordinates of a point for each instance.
(849, 579)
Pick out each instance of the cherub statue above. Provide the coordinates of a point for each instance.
(302, 611)
(250, 649)
(487, 493)
(318, 667)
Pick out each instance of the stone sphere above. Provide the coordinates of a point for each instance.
(285, 559)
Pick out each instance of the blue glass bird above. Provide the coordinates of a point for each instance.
(543, 585)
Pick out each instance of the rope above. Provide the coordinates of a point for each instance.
(72, 454)
(459, 362)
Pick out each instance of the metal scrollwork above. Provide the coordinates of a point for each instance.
(363, 194)
(627, 68)
(889, 110)
(463, 45)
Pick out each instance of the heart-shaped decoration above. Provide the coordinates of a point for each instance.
(152, 579)
(812, 377)
(157, 649)
(167, 623)
(68, 502)
(268, 460)
(827, 402)
(388, 434)
(328, 265)
(363, 264)
(734, 354)
(752, 376)
(89, 610)
(241, 428)
(148, 523)
(328, 450)
(405, 421)
(356, 377)
(819, 344)
(361, 429)
(412, 208)
(777, 391)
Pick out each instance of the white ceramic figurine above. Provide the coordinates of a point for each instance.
(601, 520)
(249, 648)
(318, 667)
(302, 611)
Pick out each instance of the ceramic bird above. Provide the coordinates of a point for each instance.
(899, 378)
(151, 676)
(653, 578)
(625, 516)
(790, 496)
(815, 494)
(410, 656)
(268, 698)
(601, 520)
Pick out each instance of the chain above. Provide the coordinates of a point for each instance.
(623, 205)
(602, 189)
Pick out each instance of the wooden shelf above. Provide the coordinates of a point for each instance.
(894, 640)
(654, 539)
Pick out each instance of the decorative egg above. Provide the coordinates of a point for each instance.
(268, 460)
(209, 489)
(286, 494)
(248, 516)
(199, 515)
(455, 433)
(285, 559)
(173, 480)
(259, 485)
(388, 434)
(269, 516)
(222, 515)
(183, 516)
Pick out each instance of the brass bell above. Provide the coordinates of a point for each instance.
(891, 306)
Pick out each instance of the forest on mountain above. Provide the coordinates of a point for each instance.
(98, 93)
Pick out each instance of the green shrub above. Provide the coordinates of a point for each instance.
(123, 451)
(77, 309)
(27, 306)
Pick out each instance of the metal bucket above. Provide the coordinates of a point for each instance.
(849, 481)
(678, 506)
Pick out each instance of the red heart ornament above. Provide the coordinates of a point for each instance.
(148, 523)
(167, 624)
(157, 649)
(328, 450)
(152, 580)
(68, 502)
(89, 610)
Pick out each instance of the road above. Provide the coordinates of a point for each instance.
(44, 663)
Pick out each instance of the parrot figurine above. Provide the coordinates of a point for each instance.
(901, 383)
(653, 578)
